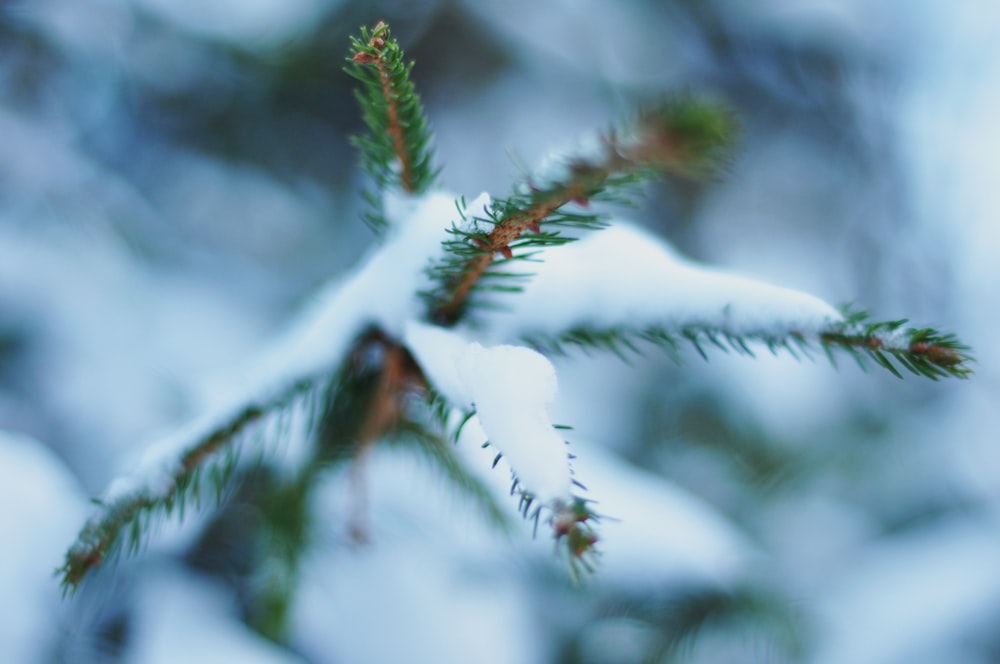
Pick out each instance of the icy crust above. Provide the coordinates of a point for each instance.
(510, 388)
(623, 277)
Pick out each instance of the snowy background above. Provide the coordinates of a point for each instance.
(175, 183)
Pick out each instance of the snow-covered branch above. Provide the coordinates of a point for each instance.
(509, 389)
(294, 370)
(182, 469)
(395, 327)
(620, 288)
(685, 136)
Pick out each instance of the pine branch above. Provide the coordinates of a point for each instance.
(285, 529)
(685, 136)
(921, 351)
(208, 465)
(395, 151)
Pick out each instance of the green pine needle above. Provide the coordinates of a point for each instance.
(890, 345)
(208, 467)
(685, 136)
(395, 150)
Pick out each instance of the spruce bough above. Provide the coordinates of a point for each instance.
(399, 352)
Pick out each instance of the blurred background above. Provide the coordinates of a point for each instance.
(176, 181)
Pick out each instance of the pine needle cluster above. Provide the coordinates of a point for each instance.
(395, 149)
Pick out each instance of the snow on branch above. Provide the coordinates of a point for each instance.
(175, 472)
(203, 455)
(685, 136)
(627, 278)
(624, 286)
(609, 290)
(508, 389)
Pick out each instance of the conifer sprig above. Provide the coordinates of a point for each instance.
(395, 150)
(686, 136)
(205, 469)
(922, 351)
(891, 344)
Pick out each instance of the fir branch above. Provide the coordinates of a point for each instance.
(207, 465)
(920, 351)
(685, 136)
(395, 151)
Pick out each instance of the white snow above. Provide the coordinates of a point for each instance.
(155, 472)
(438, 352)
(624, 276)
(911, 594)
(511, 388)
(656, 532)
(186, 618)
(382, 291)
(42, 511)
(438, 583)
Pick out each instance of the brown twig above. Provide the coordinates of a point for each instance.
(399, 377)
(499, 241)
(584, 179)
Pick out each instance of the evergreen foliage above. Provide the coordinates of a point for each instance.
(920, 351)
(395, 150)
(380, 393)
(204, 474)
(687, 136)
